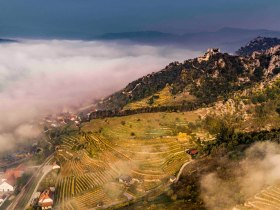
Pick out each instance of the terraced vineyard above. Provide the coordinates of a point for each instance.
(268, 199)
(91, 165)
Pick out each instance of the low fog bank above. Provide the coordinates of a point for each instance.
(41, 77)
(260, 168)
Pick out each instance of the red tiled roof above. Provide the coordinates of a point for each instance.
(193, 151)
(11, 180)
(15, 172)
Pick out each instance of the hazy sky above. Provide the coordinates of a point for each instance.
(87, 18)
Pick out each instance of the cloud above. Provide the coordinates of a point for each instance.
(17, 136)
(259, 168)
(40, 77)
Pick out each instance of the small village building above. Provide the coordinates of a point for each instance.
(52, 189)
(15, 172)
(5, 186)
(192, 152)
(8, 179)
(172, 179)
(125, 179)
(54, 125)
(213, 50)
(45, 201)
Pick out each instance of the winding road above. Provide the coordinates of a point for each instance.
(23, 199)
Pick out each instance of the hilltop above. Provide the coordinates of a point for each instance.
(196, 82)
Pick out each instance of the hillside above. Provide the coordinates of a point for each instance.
(243, 126)
(200, 81)
(259, 44)
(94, 157)
(220, 105)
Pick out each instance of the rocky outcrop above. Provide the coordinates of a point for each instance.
(259, 44)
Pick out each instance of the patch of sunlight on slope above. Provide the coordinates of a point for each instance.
(162, 98)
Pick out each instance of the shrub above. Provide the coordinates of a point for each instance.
(278, 110)
(276, 71)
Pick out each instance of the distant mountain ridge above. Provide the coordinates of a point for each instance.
(259, 44)
(6, 40)
(136, 35)
(228, 39)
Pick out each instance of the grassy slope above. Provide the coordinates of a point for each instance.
(252, 110)
(163, 98)
(144, 126)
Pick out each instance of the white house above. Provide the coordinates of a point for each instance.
(5, 186)
(55, 166)
(46, 202)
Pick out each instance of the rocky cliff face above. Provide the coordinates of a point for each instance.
(274, 63)
(260, 44)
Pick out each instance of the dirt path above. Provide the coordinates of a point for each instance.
(181, 170)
